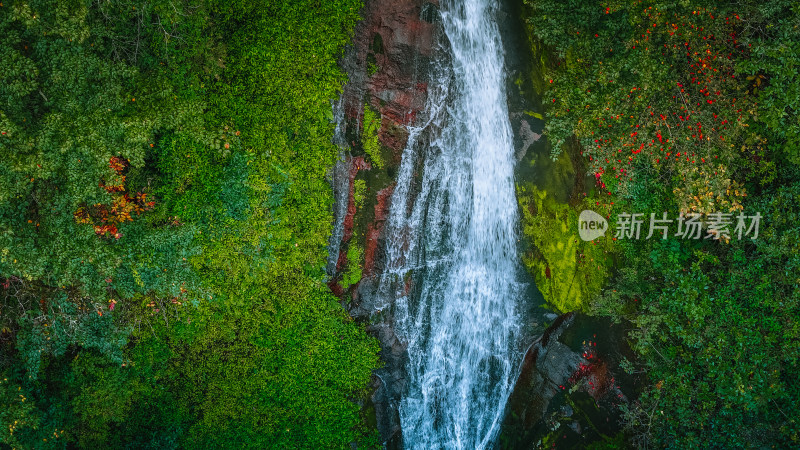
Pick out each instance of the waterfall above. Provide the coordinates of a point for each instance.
(339, 178)
(451, 258)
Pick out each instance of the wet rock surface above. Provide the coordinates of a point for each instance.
(388, 66)
(570, 387)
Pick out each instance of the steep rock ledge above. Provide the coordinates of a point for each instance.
(551, 193)
(388, 65)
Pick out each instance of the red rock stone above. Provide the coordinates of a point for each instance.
(335, 288)
(375, 229)
(395, 90)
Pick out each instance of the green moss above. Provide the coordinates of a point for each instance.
(372, 68)
(568, 271)
(377, 44)
(541, 58)
(353, 274)
(372, 64)
(359, 192)
(369, 138)
(535, 115)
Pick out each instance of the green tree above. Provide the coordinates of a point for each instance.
(163, 223)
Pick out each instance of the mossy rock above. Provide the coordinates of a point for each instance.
(355, 262)
(369, 138)
(568, 271)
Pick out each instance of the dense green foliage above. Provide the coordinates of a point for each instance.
(163, 221)
(692, 107)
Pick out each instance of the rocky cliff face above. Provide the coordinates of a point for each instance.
(388, 65)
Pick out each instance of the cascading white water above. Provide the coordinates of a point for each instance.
(339, 177)
(455, 237)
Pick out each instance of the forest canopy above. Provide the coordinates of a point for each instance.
(165, 217)
(691, 107)
(163, 221)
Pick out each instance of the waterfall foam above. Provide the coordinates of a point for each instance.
(453, 230)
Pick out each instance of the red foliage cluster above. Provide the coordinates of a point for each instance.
(595, 372)
(106, 218)
(688, 126)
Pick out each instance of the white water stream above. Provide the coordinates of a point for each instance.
(453, 233)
